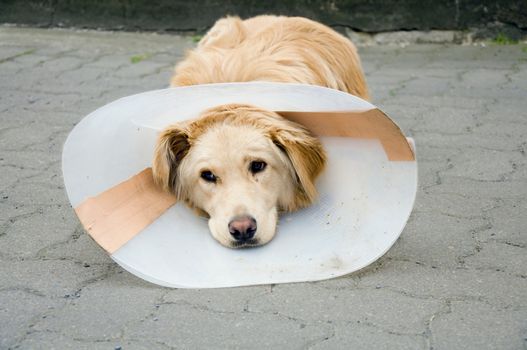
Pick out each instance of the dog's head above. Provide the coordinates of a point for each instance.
(240, 165)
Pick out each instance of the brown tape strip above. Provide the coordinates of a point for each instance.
(372, 124)
(115, 216)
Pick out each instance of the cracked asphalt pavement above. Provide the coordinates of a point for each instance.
(455, 279)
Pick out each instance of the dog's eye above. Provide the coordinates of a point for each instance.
(208, 176)
(257, 166)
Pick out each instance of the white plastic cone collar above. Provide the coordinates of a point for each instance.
(365, 200)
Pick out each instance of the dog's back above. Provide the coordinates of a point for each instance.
(272, 48)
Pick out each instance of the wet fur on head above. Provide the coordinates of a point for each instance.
(304, 152)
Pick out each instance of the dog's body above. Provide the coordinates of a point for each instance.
(271, 48)
(238, 164)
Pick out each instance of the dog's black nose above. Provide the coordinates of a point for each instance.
(242, 227)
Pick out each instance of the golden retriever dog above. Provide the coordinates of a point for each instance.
(241, 165)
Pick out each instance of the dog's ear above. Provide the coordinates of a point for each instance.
(308, 159)
(172, 145)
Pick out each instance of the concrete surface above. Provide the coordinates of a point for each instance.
(456, 279)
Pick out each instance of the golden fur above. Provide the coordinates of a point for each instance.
(271, 48)
(226, 140)
(304, 150)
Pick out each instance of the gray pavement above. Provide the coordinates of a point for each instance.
(456, 278)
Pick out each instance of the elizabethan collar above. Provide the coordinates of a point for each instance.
(366, 192)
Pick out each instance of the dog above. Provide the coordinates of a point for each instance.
(241, 165)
